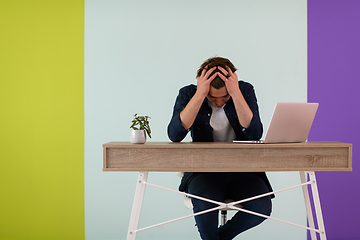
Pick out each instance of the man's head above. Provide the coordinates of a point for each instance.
(217, 83)
(218, 97)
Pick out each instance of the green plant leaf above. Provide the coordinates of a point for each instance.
(141, 123)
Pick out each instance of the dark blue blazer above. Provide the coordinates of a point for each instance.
(201, 131)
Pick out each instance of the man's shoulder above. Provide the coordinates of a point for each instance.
(245, 85)
(188, 87)
(188, 90)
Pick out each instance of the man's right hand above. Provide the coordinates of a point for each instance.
(203, 82)
(191, 110)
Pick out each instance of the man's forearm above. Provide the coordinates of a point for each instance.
(243, 110)
(191, 110)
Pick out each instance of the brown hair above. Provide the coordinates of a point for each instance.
(217, 83)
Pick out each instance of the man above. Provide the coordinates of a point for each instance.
(220, 109)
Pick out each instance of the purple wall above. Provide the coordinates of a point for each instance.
(334, 82)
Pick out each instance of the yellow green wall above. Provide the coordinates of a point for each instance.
(42, 119)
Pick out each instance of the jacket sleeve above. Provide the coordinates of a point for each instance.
(255, 130)
(176, 131)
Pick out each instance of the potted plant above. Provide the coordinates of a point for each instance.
(140, 127)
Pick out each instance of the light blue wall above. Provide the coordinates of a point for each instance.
(139, 53)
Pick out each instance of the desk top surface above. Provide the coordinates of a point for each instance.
(221, 144)
(227, 157)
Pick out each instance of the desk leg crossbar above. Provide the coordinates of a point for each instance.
(142, 182)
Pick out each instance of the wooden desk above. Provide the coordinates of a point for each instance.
(228, 157)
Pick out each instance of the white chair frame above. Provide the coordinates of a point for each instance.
(223, 211)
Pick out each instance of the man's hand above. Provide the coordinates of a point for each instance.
(231, 83)
(191, 110)
(203, 82)
(243, 111)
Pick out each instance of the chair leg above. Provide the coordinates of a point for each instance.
(223, 217)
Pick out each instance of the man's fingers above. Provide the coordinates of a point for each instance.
(223, 70)
(229, 70)
(212, 77)
(207, 74)
(223, 77)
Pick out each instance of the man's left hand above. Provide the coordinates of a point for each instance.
(231, 82)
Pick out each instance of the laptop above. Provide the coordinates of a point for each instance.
(290, 123)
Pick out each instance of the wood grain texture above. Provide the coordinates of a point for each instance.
(227, 157)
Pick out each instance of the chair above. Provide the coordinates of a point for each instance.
(223, 211)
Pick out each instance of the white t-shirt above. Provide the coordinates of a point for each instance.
(223, 132)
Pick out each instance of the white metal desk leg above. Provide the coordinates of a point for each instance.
(137, 204)
(317, 205)
(308, 205)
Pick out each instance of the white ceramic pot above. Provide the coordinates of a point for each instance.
(137, 136)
